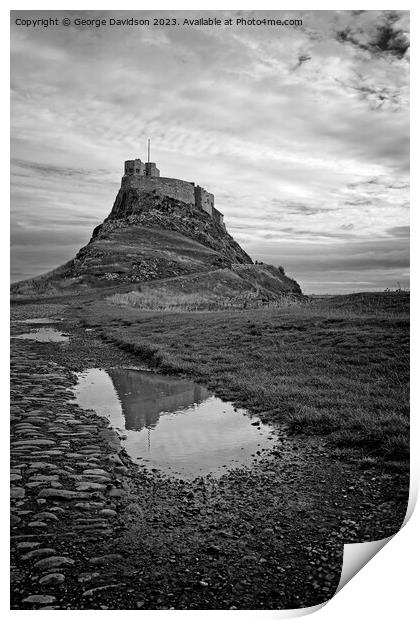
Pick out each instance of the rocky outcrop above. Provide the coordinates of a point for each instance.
(147, 237)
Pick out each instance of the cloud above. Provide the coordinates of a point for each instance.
(299, 133)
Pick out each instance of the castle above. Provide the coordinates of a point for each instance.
(146, 177)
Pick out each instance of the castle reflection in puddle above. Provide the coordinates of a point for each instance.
(173, 424)
(145, 396)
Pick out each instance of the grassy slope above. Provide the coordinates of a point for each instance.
(255, 286)
(337, 367)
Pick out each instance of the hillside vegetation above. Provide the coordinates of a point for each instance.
(215, 290)
(148, 238)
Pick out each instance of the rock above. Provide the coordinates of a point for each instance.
(17, 492)
(14, 520)
(107, 512)
(100, 589)
(52, 579)
(41, 599)
(103, 560)
(96, 472)
(115, 459)
(54, 562)
(63, 494)
(27, 545)
(116, 492)
(91, 486)
(34, 442)
(47, 515)
(37, 553)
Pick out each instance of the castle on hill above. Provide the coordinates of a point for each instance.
(146, 177)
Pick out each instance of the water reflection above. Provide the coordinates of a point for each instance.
(145, 396)
(173, 424)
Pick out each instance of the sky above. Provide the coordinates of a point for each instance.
(300, 132)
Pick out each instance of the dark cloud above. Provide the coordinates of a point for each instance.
(386, 37)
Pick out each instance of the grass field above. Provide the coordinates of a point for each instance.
(336, 367)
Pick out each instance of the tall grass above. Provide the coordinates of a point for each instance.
(338, 368)
(163, 300)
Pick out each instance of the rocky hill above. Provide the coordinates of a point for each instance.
(147, 238)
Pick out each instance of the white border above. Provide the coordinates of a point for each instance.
(387, 587)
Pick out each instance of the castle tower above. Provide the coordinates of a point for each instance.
(134, 167)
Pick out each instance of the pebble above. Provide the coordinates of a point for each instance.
(63, 494)
(27, 545)
(54, 562)
(40, 598)
(100, 589)
(90, 486)
(34, 442)
(107, 512)
(52, 579)
(47, 515)
(17, 492)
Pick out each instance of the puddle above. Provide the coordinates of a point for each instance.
(44, 334)
(172, 424)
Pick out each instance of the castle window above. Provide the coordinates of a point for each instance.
(137, 170)
(130, 170)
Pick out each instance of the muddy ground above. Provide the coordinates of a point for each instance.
(90, 530)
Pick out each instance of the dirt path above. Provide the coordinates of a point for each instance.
(90, 530)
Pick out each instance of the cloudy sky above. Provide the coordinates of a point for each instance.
(300, 132)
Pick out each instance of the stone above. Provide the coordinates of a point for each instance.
(54, 562)
(52, 579)
(96, 472)
(17, 492)
(37, 553)
(116, 493)
(27, 545)
(100, 589)
(115, 459)
(47, 515)
(90, 486)
(107, 512)
(14, 520)
(41, 599)
(63, 494)
(34, 442)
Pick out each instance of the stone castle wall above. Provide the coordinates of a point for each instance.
(162, 186)
(204, 200)
(185, 191)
